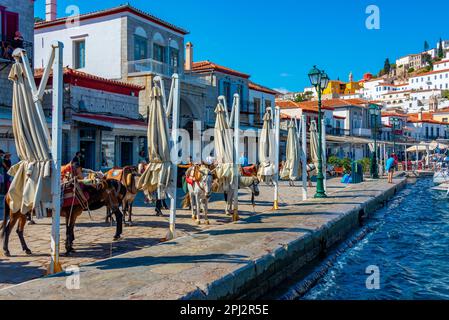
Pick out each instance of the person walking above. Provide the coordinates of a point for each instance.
(6, 166)
(77, 159)
(2, 170)
(389, 167)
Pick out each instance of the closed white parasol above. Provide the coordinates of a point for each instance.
(267, 148)
(157, 174)
(31, 185)
(314, 143)
(224, 147)
(292, 167)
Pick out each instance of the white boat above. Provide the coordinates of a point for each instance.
(442, 187)
(441, 177)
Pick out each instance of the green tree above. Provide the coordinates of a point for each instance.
(426, 46)
(427, 58)
(387, 66)
(440, 49)
(445, 94)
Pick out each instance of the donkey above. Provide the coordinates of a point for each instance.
(99, 194)
(127, 177)
(251, 183)
(199, 186)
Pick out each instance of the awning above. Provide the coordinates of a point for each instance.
(6, 121)
(118, 123)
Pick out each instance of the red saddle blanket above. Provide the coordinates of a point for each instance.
(71, 197)
(249, 171)
(190, 180)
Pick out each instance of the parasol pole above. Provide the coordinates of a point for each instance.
(323, 139)
(417, 157)
(236, 115)
(304, 157)
(277, 123)
(406, 158)
(56, 149)
(175, 128)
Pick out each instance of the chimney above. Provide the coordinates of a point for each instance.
(50, 10)
(189, 56)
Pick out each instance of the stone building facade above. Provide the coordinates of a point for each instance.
(14, 13)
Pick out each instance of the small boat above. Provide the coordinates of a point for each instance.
(442, 187)
(441, 176)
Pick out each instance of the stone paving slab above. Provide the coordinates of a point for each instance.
(222, 261)
(94, 237)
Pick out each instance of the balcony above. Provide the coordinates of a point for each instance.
(336, 131)
(8, 45)
(151, 66)
(362, 132)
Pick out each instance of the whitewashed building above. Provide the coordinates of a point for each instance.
(127, 44)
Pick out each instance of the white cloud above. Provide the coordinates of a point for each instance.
(285, 75)
(282, 90)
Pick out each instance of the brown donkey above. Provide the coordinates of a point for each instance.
(98, 195)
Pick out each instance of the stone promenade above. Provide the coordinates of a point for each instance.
(215, 261)
(94, 237)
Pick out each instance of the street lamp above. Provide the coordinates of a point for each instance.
(374, 111)
(395, 126)
(319, 79)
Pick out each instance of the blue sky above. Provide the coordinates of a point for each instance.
(278, 42)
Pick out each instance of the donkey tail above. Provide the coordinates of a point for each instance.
(186, 201)
(5, 218)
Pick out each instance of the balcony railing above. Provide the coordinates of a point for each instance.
(362, 132)
(8, 45)
(336, 131)
(151, 66)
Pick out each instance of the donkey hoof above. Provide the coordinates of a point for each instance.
(198, 222)
(7, 253)
(207, 223)
(28, 252)
(128, 224)
(117, 238)
(31, 223)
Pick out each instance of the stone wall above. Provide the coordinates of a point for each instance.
(25, 9)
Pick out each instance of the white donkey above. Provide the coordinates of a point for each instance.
(199, 185)
(251, 183)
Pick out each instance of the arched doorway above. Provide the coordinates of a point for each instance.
(191, 121)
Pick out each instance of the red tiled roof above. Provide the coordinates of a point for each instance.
(394, 114)
(307, 106)
(207, 66)
(110, 119)
(416, 120)
(120, 9)
(82, 79)
(430, 72)
(258, 87)
(440, 62)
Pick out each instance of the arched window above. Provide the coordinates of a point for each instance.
(174, 56)
(140, 44)
(159, 48)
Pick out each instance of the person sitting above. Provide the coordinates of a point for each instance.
(9, 51)
(243, 160)
(18, 40)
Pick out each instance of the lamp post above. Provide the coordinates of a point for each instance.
(374, 111)
(395, 126)
(319, 79)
